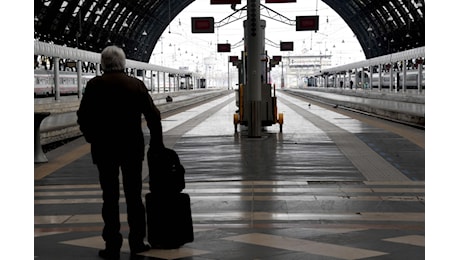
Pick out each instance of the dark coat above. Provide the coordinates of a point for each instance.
(110, 117)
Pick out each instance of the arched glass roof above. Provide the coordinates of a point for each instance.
(384, 27)
(381, 27)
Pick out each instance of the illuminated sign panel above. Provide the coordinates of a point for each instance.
(232, 58)
(306, 23)
(223, 47)
(202, 24)
(276, 58)
(286, 46)
(279, 1)
(225, 2)
(275, 61)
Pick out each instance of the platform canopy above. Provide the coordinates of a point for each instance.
(381, 27)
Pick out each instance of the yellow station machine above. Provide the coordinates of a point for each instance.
(268, 106)
(256, 97)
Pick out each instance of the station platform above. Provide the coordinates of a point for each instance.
(405, 107)
(328, 187)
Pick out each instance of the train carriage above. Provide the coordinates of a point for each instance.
(44, 82)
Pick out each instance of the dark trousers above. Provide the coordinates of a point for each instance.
(132, 186)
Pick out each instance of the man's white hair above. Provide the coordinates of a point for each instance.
(113, 59)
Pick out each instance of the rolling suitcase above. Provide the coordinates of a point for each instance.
(169, 216)
(169, 220)
(166, 173)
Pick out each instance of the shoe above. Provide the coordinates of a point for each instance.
(139, 249)
(109, 254)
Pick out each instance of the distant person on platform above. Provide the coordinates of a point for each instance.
(110, 117)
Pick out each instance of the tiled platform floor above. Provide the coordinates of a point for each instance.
(328, 187)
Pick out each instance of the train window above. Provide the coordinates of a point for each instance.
(42, 81)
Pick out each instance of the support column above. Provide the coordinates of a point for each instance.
(164, 81)
(390, 87)
(152, 82)
(179, 82)
(79, 83)
(371, 78)
(356, 78)
(334, 80)
(404, 77)
(282, 74)
(158, 81)
(419, 78)
(169, 83)
(228, 75)
(253, 42)
(57, 92)
(98, 70)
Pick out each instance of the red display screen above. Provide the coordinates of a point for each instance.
(225, 2)
(202, 24)
(232, 58)
(223, 47)
(276, 58)
(286, 46)
(279, 1)
(307, 23)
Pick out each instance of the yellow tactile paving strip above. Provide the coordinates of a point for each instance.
(61, 161)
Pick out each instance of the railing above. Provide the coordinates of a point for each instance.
(398, 71)
(138, 68)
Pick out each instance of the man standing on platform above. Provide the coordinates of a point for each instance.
(110, 117)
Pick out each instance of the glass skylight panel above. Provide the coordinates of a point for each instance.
(63, 6)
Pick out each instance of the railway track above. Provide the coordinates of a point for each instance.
(61, 131)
